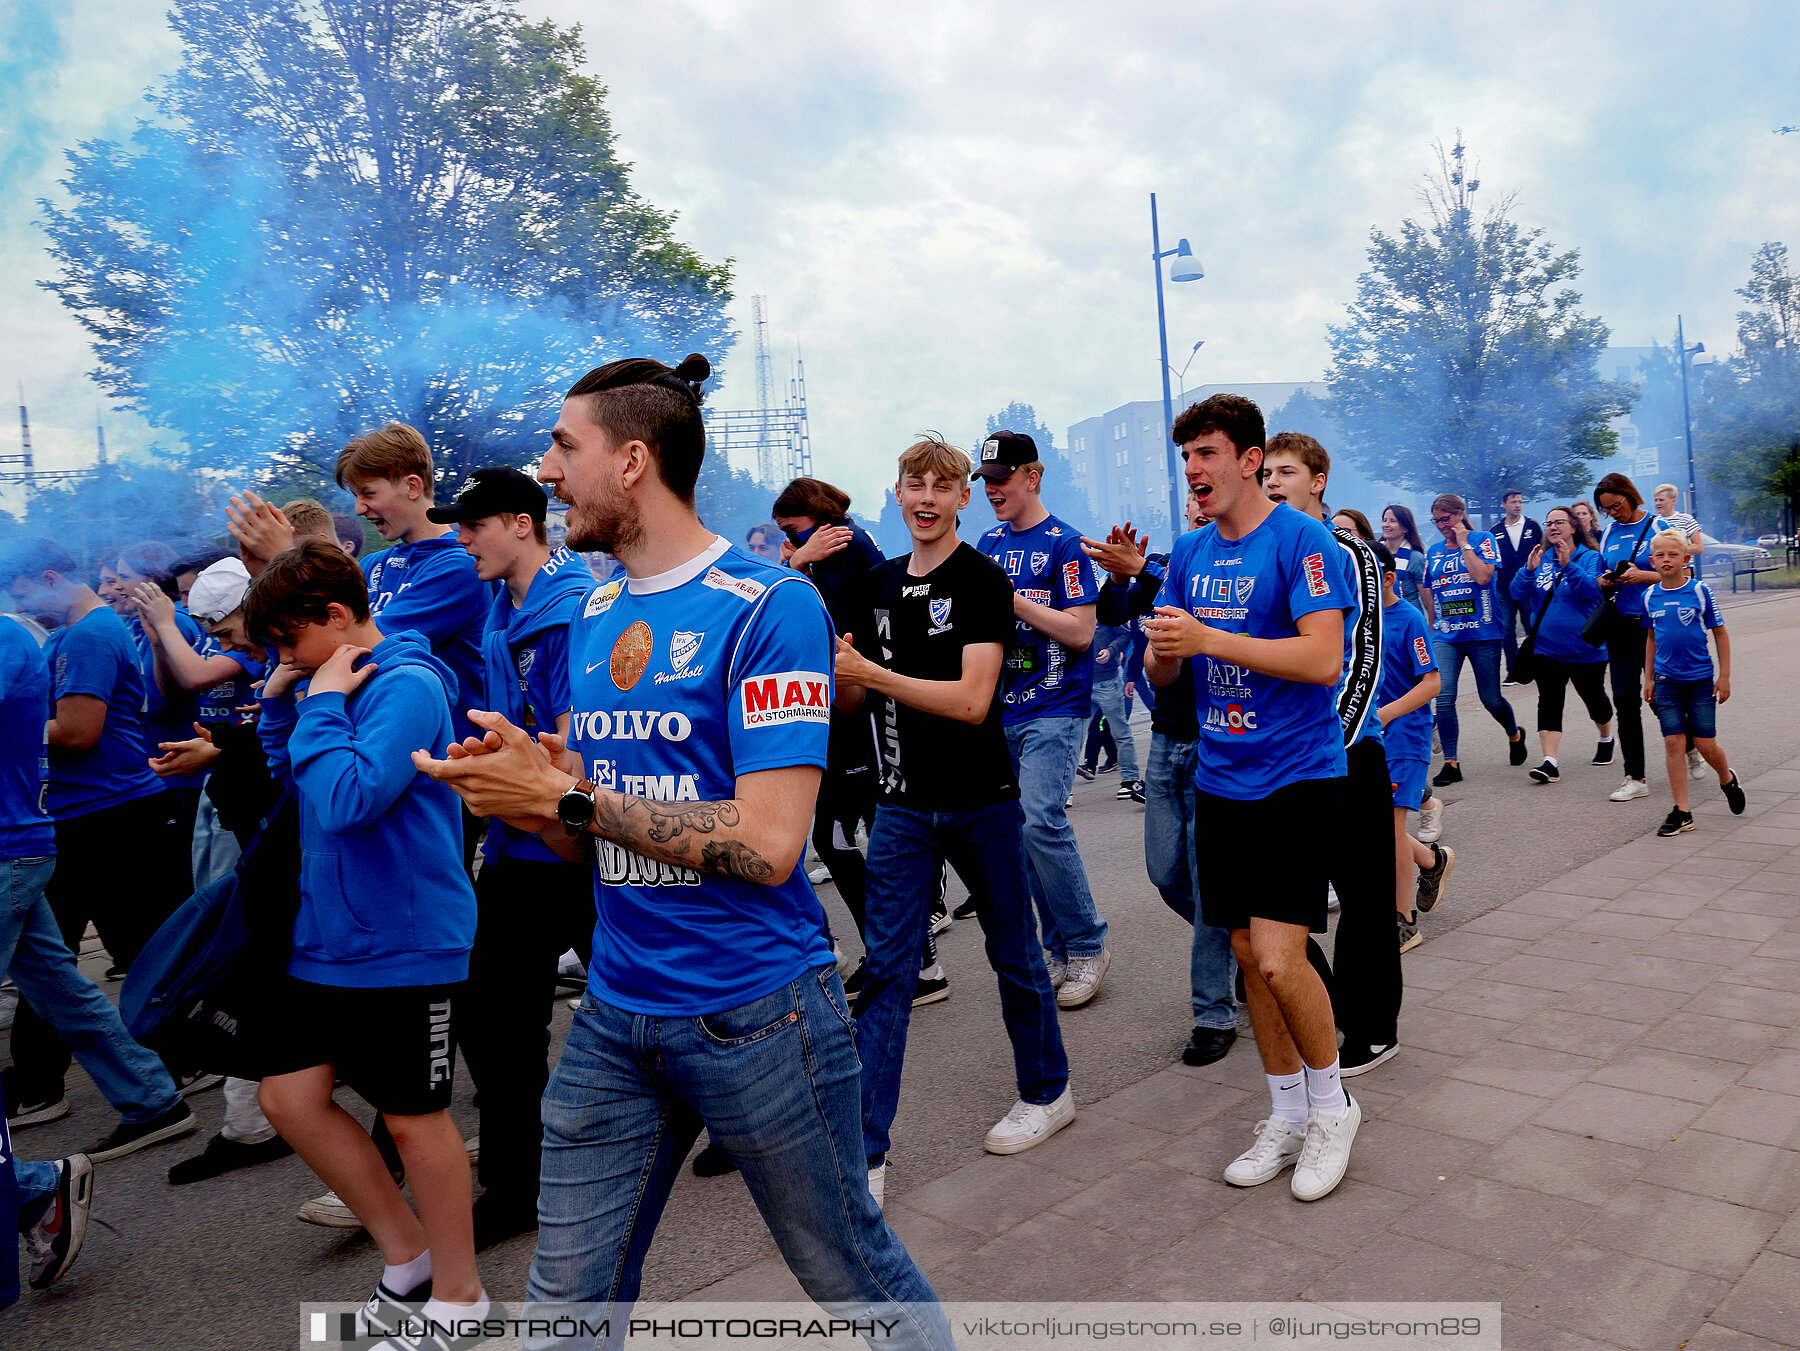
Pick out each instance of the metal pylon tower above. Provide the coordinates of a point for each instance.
(769, 454)
(800, 438)
(21, 469)
(774, 433)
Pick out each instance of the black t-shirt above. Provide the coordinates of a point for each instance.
(918, 626)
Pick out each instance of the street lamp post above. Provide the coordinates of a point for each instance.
(1181, 375)
(1687, 422)
(1186, 268)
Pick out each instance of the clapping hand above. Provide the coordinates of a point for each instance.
(259, 528)
(182, 758)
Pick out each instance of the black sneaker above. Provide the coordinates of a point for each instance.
(386, 1311)
(1734, 794)
(931, 990)
(1410, 937)
(1206, 1045)
(1448, 775)
(129, 1137)
(35, 1112)
(968, 909)
(1084, 771)
(1137, 790)
(1108, 767)
(1677, 822)
(197, 1082)
(1126, 790)
(1431, 880)
(223, 1156)
(1515, 748)
(713, 1162)
(1603, 752)
(940, 914)
(1544, 773)
(54, 1242)
(1357, 1058)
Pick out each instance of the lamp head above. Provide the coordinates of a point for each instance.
(1186, 267)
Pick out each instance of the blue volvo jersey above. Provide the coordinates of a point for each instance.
(1042, 678)
(1630, 542)
(1259, 733)
(1406, 660)
(681, 683)
(1680, 617)
(1466, 612)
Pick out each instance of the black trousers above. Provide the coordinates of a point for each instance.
(1625, 660)
(1366, 982)
(529, 913)
(124, 868)
(1553, 679)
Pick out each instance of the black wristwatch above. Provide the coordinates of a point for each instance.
(575, 808)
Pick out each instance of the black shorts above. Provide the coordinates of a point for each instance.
(395, 1047)
(1268, 858)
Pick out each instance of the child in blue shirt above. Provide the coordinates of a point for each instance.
(1678, 674)
(1409, 682)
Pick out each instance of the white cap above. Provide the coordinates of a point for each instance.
(218, 591)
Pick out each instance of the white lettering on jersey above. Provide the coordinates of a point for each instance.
(635, 724)
(785, 697)
(620, 867)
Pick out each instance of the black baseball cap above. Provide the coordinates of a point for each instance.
(1004, 452)
(490, 491)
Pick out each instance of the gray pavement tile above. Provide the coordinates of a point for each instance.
(1744, 849)
(1615, 924)
(1150, 1203)
(1663, 904)
(1560, 1164)
(1627, 863)
(1562, 905)
(1643, 1120)
(1714, 1337)
(1762, 833)
(1599, 1292)
(1527, 1334)
(1721, 1038)
(1688, 946)
(1401, 1268)
(1168, 1101)
(1525, 1069)
(1446, 1031)
(1661, 973)
(1696, 1233)
(1472, 1111)
(1490, 1219)
(932, 1242)
(1780, 946)
(1787, 1238)
(1462, 946)
(1583, 944)
(1767, 972)
(1669, 1073)
(1095, 1144)
(1766, 1302)
(1354, 1214)
(1423, 971)
(1779, 1072)
(1731, 924)
(953, 1287)
(1491, 998)
(1754, 1114)
(1545, 973)
(1743, 1172)
(992, 1194)
(1052, 1257)
(1790, 864)
(1514, 924)
(1207, 1148)
(766, 1281)
(1687, 884)
(1714, 867)
(1230, 1264)
(1626, 1003)
(1753, 1004)
(1745, 900)
(1409, 1071)
(1403, 1158)
(1592, 887)
(1578, 1033)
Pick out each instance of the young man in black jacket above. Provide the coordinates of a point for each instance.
(1517, 535)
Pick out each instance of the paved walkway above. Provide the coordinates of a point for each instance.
(1595, 1118)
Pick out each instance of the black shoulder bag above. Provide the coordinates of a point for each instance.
(1524, 664)
(1599, 625)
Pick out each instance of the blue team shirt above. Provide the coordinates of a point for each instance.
(1466, 613)
(1259, 733)
(1406, 660)
(1043, 678)
(1633, 542)
(25, 829)
(1571, 591)
(682, 683)
(1680, 617)
(95, 656)
(221, 702)
(168, 718)
(431, 587)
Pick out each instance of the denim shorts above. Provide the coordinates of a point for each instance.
(1686, 707)
(1408, 778)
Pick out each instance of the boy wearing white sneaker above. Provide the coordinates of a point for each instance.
(928, 653)
(1256, 600)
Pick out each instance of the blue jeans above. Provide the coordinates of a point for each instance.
(907, 849)
(1043, 752)
(1484, 660)
(1109, 698)
(33, 953)
(1172, 860)
(1514, 614)
(776, 1084)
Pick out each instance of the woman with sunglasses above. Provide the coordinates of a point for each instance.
(1626, 573)
(1401, 535)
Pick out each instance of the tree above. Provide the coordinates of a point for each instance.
(1060, 482)
(350, 211)
(1465, 363)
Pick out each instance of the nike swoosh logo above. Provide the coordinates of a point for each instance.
(596, 666)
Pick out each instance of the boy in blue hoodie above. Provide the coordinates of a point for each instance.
(386, 920)
(533, 904)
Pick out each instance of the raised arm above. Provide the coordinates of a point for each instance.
(965, 699)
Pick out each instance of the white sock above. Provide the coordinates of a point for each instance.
(1550, 760)
(1325, 1090)
(408, 1276)
(1606, 741)
(1287, 1098)
(442, 1312)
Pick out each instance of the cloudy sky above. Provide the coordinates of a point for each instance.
(947, 203)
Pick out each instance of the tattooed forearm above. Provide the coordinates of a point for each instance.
(734, 858)
(667, 821)
(667, 831)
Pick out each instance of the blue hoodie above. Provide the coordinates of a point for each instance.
(1572, 601)
(384, 901)
(525, 653)
(430, 587)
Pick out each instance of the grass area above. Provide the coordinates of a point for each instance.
(1781, 579)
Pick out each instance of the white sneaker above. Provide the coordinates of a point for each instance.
(1059, 971)
(569, 964)
(878, 1184)
(1327, 1151)
(1631, 788)
(1431, 823)
(472, 1147)
(1696, 765)
(1278, 1144)
(1029, 1124)
(819, 875)
(328, 1210)
(1332, 903)
(1082, 980)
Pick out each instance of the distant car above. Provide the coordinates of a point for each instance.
(1722, 559)
(1771, 541)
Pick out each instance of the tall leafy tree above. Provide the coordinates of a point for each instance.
(1465, 362)
(349, 211)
